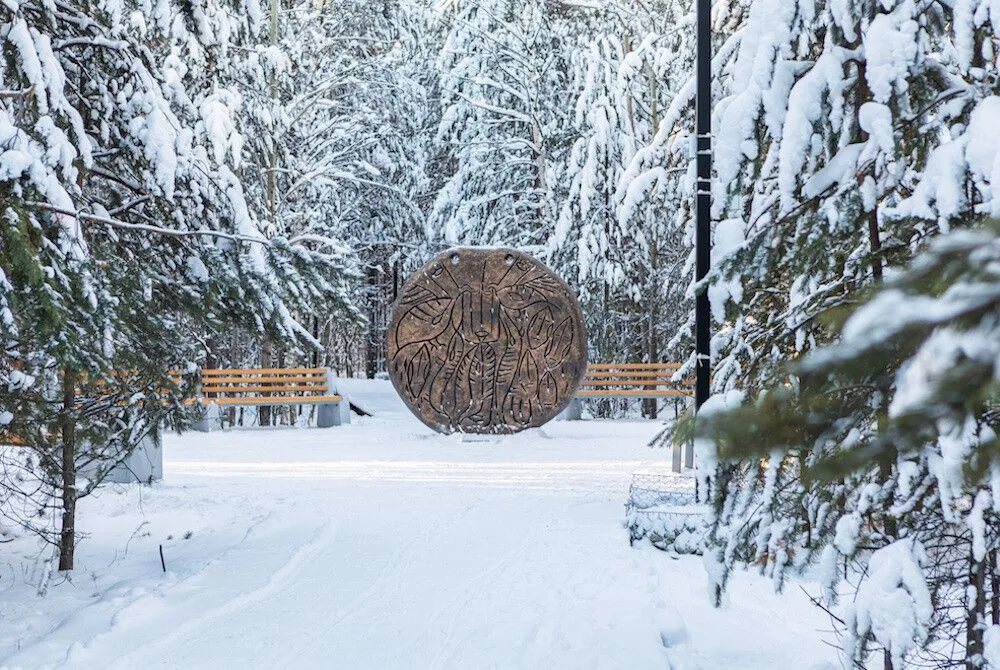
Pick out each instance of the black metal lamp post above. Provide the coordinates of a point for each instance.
(703, 207)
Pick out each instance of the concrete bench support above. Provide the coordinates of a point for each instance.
(333, 414)
(210, 419)
(573, 411)
(144, 465)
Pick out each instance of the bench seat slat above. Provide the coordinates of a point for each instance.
(685, 388)
(629, 374)
(627, 393)
(273, 400)
(634, 380)
(646, 387)
(252, 388)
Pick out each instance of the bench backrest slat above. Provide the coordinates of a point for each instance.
(633, 366)
(264, 381)
(634, 380)
(632, 393)
(228, 372)
(243, 379)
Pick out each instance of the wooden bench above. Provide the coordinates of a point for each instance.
(634, 380)
(648, 381)
(271, 386)
(223, 387)
(87, 388)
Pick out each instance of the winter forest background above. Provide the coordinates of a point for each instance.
(231, 183)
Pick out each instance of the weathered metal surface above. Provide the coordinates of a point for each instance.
(486, 341)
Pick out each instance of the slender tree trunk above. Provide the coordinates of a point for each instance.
(374, 295)
(212, 352)
(653, 340)
(537, 142)
(272, 169)
(875, 242)
(67, 534)
(995, 589)
(975, 617)
(870, 218)
(281, 410)
(264, 411)
(314, 357)
(654, 108)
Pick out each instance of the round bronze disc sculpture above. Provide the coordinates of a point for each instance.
(486, 341)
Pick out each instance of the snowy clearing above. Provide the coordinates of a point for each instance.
(381, 545)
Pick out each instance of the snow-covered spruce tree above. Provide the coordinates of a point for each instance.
(621, 225)
(913, 382)
(124, 238)
(847, 135)
(842, 142)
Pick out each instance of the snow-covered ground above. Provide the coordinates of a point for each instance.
(380, 545)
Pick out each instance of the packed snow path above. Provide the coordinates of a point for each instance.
(380, 545)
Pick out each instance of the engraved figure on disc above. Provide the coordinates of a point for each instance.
(486, 341)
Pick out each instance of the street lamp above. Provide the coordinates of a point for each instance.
(703, 205)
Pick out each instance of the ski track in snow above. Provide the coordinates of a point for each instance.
(376, 546)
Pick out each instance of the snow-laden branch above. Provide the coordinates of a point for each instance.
(116, 223)
(103, 42)
(480, 104)
(23, 93)
(322, 240)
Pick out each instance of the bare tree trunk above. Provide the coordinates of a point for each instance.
(211, 352)
(995, 583)
(314, 357)
(374, 295)
(975, 617)
(67, 534)
(272, 169)
(537, 141)
(652, 342)
(264, 411)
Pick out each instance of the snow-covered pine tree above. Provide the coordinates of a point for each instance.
(848, 134)
(924, 352)
(125, 237)
(841, 137)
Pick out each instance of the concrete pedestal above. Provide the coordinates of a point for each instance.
(143, 465)
(333, 414)
(573, 411)
(210, 419)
